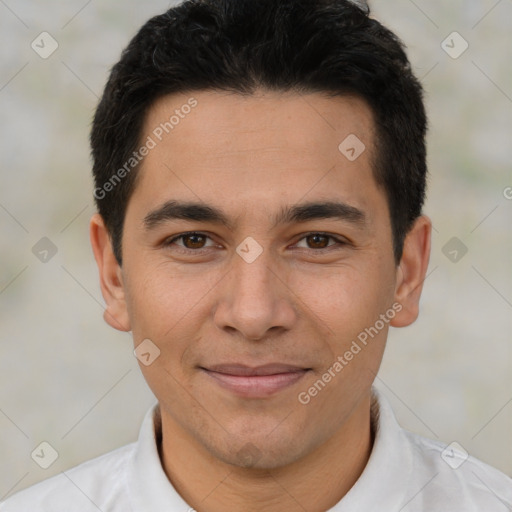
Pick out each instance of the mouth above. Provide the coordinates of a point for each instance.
(255, 382)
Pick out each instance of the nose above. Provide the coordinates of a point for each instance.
(254, 299)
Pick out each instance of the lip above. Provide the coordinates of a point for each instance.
(255, 382)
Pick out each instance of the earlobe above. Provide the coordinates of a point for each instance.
(111, 281)
(412, 271)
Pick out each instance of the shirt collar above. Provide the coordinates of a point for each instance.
(380, 487)
(151, 490)
(385, 478)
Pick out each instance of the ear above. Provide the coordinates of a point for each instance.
(111, 279)
(411, 271)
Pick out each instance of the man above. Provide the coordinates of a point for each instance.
(260, 176)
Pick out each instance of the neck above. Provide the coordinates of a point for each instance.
(315, 482)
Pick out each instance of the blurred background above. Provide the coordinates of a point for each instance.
(71, 381)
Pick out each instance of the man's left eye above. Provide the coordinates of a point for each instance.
(320, 240)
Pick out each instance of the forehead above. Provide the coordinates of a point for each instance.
(307, 119)
(257, 148)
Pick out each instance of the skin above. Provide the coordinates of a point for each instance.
(299, 302)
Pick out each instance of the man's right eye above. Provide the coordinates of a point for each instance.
(192, 241)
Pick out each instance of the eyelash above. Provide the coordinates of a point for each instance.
(170, 241)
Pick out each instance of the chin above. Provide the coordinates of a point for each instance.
(259, 453)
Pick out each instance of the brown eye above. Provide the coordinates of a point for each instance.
(318, 241)
(192, 242)
(196, 241)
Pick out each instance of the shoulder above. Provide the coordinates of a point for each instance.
(98, 483)
(456, 480)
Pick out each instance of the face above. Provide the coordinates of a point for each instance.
(290, 261)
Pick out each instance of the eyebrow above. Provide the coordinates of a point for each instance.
(202, 212)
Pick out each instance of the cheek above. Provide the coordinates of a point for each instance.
(345, 299)
(161, 298)
(171, 308)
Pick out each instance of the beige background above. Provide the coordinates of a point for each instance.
(69, 379)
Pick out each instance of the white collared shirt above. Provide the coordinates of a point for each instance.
(405, 473)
